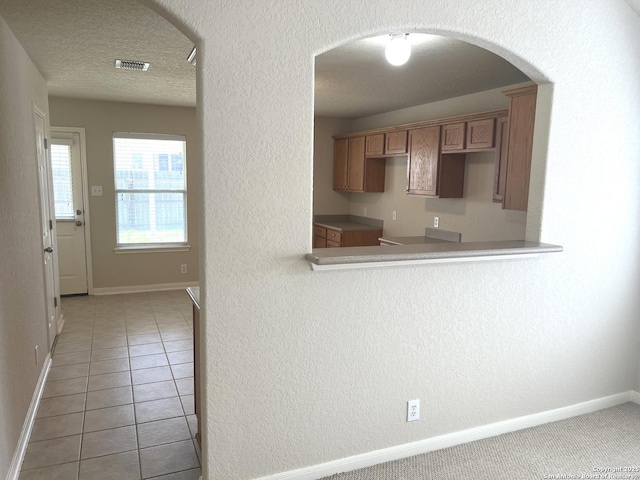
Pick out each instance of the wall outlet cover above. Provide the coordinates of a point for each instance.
(413, 410)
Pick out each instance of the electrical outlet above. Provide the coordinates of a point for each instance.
(394, 215)
(183, 268)
(364, 211)
(96, 190)
(413, 410)
(436, 222)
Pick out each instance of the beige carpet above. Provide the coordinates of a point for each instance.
(570, 448)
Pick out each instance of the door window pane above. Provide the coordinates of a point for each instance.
(62, 182)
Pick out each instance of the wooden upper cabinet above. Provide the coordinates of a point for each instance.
(340, 161)
(453, 136)
(355, 175)
(396, 143)
(480, 133)
(522, 114)
(375, 145)
(500, 172)
(352, 171)
(430, 172)
(422, 167)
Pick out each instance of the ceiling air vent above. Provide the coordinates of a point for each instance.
(132, 65)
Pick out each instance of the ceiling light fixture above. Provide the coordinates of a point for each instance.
(132, 65)
(398, 49)
(192, 57)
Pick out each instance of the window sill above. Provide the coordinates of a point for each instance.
(168, 248)
(400, 255)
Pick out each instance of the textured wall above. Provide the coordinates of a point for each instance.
(100, 120)
(22, 303)
(290, 352)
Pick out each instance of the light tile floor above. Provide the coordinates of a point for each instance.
(118, 402)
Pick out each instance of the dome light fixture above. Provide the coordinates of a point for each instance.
(398, 49)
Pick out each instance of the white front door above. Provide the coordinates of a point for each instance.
(47, 227)
(69, 211)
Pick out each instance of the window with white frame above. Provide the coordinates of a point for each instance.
(62, 174)
(151, 189)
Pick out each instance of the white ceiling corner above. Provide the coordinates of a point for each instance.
(75, 43)
(635, 5)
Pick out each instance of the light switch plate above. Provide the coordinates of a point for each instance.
(96, 191)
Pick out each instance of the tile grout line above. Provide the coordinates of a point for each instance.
(121, 313)
(86, 394)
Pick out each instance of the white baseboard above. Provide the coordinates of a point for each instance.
(18, 456)
(451, 439)
(161, 287)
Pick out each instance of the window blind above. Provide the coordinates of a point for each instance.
(62, 180)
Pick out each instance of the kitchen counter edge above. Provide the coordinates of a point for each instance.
(431, 251)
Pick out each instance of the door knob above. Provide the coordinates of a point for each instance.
(78, 223)
(48, 250)
(78, 212)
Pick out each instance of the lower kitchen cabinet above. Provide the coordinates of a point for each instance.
(332, 238)
(319, 237)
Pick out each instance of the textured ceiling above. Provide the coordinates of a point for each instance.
(355, 80)
(74, 43)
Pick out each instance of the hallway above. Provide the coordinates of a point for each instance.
(118, 402)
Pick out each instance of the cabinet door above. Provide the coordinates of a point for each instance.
(355, 170)
(334, 235)
(361, 238)
(422, 167)
(480, 133)
(500, 172)
(522, 113)
(453, 137)
(396, 143)
(319, 231)
(319, 242)
(340, 160)
(375, 145)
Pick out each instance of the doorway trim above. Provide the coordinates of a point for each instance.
(85, 196)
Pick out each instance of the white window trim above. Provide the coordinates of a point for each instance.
(153, 247)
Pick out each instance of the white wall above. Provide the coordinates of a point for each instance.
(100, 119)
(466, 104)
(289, 352)
(22, 302)
(326, 201)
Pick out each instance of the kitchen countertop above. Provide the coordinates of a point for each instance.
(347, 223)
(194, 293)
(431, 235)
(360, 257)
(347, 226)
(412, 240)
